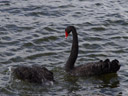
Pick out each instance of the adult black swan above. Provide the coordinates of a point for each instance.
(90, 69)
(33, 74)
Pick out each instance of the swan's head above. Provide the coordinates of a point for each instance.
(68, 30)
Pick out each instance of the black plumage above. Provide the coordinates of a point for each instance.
(33, 74)
(89, 69)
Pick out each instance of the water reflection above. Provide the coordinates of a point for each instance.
(103, 83)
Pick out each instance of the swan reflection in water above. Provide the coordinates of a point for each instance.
(101, 83)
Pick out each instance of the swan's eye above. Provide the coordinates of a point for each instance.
(66, 34)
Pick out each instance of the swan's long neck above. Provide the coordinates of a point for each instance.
(74, 52)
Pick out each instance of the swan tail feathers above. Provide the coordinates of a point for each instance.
(110, 67)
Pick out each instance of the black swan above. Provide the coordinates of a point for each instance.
(89, 69)
(33, 74)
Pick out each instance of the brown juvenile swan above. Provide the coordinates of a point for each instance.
(90, 69)
(33, 74)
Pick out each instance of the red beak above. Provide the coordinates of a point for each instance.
(66, 34)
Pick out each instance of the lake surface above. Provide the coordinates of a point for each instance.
(33, 32)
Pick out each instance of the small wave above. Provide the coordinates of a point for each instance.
(17, 59)
(118, 22)
(2, 29)
(98, 28)
(34, 56)
(44, 39)
(29, 44)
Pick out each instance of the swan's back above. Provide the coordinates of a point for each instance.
(33, 74)
(96, 68)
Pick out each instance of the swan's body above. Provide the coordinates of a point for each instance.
(33, 74)
(90, 69)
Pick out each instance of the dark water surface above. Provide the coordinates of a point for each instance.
(33, 32)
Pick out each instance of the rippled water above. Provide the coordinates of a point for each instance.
(32, 32)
